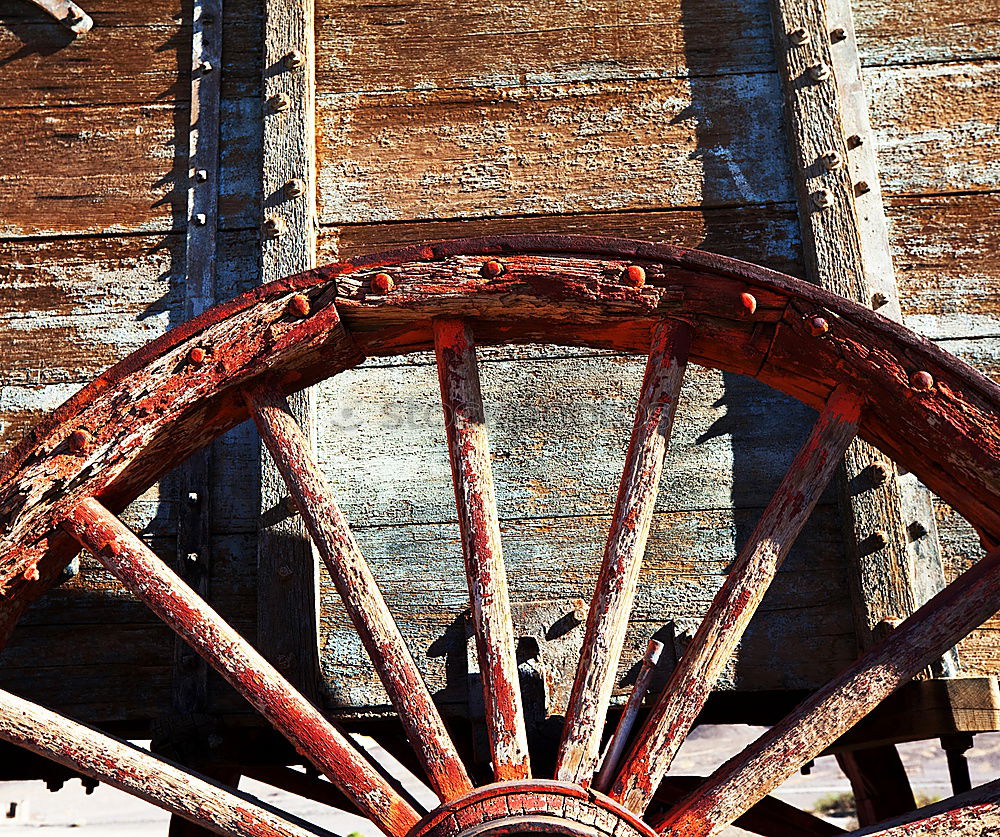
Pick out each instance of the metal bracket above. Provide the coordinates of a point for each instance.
(68, 14)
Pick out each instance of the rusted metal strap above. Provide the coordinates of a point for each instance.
(68, 14)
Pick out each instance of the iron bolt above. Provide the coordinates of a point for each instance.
(798, 37)
(922, 380)
(299, 305)
(879, 299)
(749, 303)
(192, 557)
(205, 66)
(854, 141)
(879, 539)
(916, 530)
(294, 188)
(861, 188)
(634, 276)
(294, 59)
(197, 355)
(837, 35)
(382, 283)
(818, 326)
(193, 497)
(80, 440)
(275, 227)
(880, 472)
(819, 72)
(492, 269)
(201, 175)
(279, 102)
(821, 199)
(832, 160)
(284, 572)
(201, 219)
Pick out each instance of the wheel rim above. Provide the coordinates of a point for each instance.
(60, 487)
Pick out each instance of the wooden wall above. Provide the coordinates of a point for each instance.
(656, 121)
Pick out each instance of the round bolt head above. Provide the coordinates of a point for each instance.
(205, 66)
(822, 199)
(879, 539)
(192, 557)
(294, 59)
(634, 276)
(197, 355)
(294, 188)
(193, 497)
(798, 37)
(861, 188)
(879, 472)
(299, 305)
(275, 227)
(832, 161)
(80, 440)
(382, 283)
(818, 326)
(837, 35)
(819, 72)
(492, 269)
(31, 573)
(879, 299)
(749, 303)
(922, 380)
(284, 571)
(201, 175)
(854, 141)
(201, 219)
(279, 102)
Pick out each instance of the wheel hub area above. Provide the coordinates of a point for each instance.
(511, 809)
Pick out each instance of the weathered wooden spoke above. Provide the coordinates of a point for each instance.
(607, 620)
(472, 474)
(691, 682)
(948, 617)
(360, 593)
(139, 773)
(972, 814)
(150, 580)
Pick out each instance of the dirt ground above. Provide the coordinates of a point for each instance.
(29, 809)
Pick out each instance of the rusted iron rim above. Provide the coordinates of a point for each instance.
(947, 434)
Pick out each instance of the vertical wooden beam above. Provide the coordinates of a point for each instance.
(189, 678)
(896, 563)
(288, 570)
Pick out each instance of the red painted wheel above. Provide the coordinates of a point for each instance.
(62, 486)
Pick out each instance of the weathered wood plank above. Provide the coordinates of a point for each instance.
(971, 814)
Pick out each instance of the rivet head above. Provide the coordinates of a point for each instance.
(821, 199)
(749, 303)
(832, 160)
(879, 299)
(879, 472)
(275, 227)
(854, 141)
(201, 219)
(916, 530)
(382, 283)
(279, 102)
(192, 557)
(299, 305)
(879, 539)
(837, 35)
(296, 58)
(201, 175)
(31, 573)
(819, 72)
(492, 269)
(294, 188)
(284, 571)
(197, 355)
(80, 440)
(193, 497)
(922, 380)
(798, 37)
(861, 188)
(818, 326)
(205, 66)
(634, 276)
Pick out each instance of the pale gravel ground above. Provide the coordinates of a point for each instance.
(110, 812)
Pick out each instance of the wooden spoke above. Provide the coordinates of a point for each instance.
(691, 682)
(607, 620)
(472, 475)
(139, 773)
(150, 580)
(359, 590)
(818, 721)
(972, 814)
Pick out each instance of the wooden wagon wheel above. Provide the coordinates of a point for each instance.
(62, 486)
